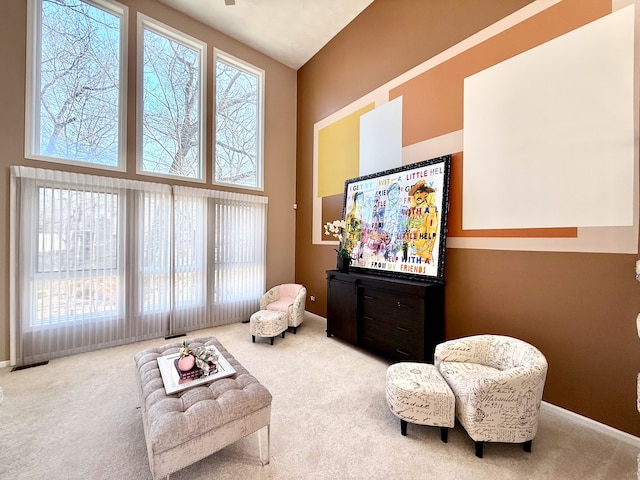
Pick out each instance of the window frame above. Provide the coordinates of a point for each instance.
(260, 74)
(144, 22)
(32, 84)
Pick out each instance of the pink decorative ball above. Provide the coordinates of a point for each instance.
(186, 363)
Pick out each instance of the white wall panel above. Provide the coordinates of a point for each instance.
(381, 138)
(549, 134)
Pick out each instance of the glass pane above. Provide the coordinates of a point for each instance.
(154, 273)
(190, 285)
(77, 255)
(79, 67)
(77, 230)
(237, 135)
(171, 118)
(61, 299)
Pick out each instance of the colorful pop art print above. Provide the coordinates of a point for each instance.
(396, 220)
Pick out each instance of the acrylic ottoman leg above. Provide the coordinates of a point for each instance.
(263, 444)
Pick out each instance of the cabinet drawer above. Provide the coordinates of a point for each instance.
(394, 334)
(405, 332)
(378, 303)
(375, 340)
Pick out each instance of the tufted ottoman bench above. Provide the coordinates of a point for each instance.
(417, 393)
(187, 426)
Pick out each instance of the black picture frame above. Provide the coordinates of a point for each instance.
(396, 220)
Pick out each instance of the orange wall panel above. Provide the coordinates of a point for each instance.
(433, 101)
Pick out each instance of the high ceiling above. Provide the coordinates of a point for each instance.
(290, 31)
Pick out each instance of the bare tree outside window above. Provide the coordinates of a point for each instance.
(171, 120)
(79, 77)
(237, 142)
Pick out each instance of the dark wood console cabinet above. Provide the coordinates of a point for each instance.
(397, 318)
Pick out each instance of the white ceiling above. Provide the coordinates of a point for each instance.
(290, 31)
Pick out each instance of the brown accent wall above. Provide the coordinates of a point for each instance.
(578, 308)
(279, 141)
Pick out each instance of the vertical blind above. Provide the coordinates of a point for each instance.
(100, 261)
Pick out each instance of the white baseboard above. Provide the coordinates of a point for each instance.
(311, 314)
(594, 425)
(6, 363)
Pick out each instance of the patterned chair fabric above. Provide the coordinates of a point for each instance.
(498, 383)
(289, 298)
(417, 393)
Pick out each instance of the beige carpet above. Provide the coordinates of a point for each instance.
(79, 418)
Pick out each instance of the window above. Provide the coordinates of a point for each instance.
(239, 113)
(172, 80)
(75, 74)
(101, 261)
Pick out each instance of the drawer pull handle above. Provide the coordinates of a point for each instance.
(369, 297)
(403, 305)
(402, 329)
(367, 339)
(367, 318)
(402, 352)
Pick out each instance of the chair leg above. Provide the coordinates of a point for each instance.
(272, 340)
(283, 334)
(444, 434)
(295, 330)
(527, 446)
(253, 338)
(479, 446)
(403, 427)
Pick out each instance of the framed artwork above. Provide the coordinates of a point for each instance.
(396, 220)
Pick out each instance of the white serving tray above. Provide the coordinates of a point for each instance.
(172, 381)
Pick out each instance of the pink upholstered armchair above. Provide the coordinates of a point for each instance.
(289, 298)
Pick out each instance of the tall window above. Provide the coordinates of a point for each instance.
(172, 77)
(75, 99)
(239, 114)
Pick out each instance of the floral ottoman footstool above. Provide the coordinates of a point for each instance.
(189, 425)
(417, 393)
(268, 323)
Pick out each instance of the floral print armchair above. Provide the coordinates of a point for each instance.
(290, 298)
(498, 383)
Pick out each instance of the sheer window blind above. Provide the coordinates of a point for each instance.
(101, 261)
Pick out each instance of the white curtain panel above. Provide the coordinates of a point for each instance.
(100, 261)
(237, 266)
(190, 301)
